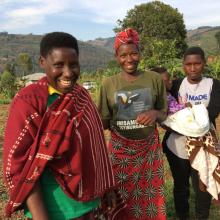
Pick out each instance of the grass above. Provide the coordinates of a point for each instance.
(171, 215)
(214, 212)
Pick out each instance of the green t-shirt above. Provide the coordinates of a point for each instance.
(121, 101)
(59, 205)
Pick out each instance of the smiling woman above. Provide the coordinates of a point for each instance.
(130, 104)
(62, 68)
(57, 147)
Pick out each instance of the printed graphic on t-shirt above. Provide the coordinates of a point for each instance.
(195, 93)
(195, 99)
(130, 104)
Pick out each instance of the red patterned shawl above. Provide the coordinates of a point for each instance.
(68, 137)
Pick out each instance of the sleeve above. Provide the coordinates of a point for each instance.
(173, 105)
(175, 88)
(103, 104)
(161, 101)
(214, 105)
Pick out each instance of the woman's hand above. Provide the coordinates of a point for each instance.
(188, 104)
(36, 205)
(147, 117)
(111, 201)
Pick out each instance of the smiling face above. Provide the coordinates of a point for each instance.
(128, 57)
(193, 66)
(62, 68)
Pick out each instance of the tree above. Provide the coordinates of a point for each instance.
(163, 52)
(217, 36)
(156, 21)
(10, 67)
(25, 63)
(113, 64)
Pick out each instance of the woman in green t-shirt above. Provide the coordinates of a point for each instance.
(130, 104)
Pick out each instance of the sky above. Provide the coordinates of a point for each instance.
(91, 19)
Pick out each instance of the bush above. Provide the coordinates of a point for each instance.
(214, 68)
(8, 84)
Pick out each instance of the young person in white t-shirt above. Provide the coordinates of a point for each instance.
(194, 89)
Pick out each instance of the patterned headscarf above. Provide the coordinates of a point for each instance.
(129, 35)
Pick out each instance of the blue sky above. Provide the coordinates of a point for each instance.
(90, 19)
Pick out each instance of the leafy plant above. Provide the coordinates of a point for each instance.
(214, 68)
(8, 84)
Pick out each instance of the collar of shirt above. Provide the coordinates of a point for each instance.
(51, 90)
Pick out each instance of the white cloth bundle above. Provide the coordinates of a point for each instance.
(191, 121)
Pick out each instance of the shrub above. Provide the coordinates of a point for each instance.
(8, 84)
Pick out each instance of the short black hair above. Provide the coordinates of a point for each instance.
(56, 40)
(159, 69)
(194, 51)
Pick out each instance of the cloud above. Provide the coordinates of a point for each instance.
(23, 15)
(26, 14)
(198, 13)
(108, 11)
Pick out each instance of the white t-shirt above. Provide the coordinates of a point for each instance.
(195, 94)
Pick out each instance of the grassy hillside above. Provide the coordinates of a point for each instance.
(205, 38)
(106, 43)
(91, 56)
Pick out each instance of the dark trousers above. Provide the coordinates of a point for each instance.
(181, 172)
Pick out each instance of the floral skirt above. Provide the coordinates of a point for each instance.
(138, 171)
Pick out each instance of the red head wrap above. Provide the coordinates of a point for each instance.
(129, 35)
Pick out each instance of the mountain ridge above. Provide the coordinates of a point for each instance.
(91, 57)
(96, 53)
(195, 37)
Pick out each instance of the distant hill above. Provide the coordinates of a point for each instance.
(94, 54)
(91, 56)
(205, 38)
(106, 43)
(202, 36)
